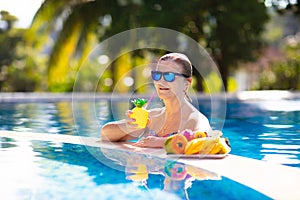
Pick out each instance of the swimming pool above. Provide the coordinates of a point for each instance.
(261, 129)
(49, 170)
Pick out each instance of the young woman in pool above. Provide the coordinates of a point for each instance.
(172, 78)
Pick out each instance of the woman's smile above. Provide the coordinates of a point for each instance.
(163, 88)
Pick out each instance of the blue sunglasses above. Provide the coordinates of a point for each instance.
(168, 76)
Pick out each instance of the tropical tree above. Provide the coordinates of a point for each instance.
(9, 19)
(230, 30)
(20, 69)
(283, 74)
(237, 34)
(8, 40)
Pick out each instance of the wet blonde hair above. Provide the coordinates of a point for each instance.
(182, 60)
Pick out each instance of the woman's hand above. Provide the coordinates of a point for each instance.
(151, 141)
(130, 121)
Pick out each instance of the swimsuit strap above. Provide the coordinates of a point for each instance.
(150, 132)
(167, 135)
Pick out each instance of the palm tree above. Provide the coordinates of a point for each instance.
(8, 18)
(74, 26)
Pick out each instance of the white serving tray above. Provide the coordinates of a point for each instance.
(199, 156)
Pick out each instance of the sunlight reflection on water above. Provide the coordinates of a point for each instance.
(251, 126)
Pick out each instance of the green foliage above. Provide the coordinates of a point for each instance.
(232, 85)
(230, 30)
(105, 82)
(8, 43)
(283, 75)
(8, 18)
(212, 84)
(21, 70)
(25, 73)
(138, 102)
(274, 28)
(236, 34)
(88, 78)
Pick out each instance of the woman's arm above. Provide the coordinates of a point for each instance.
(119, 131)
(124, 129)
(151, 141)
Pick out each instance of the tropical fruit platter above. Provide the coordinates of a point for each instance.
(197, 144)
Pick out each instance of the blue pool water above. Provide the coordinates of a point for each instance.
(264, 130)
(68, 171)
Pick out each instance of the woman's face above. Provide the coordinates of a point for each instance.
(174, 89)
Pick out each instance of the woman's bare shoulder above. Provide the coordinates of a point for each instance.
(203, 122)
(197, 121)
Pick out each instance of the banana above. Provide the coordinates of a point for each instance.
(224, 146)
(208, 145)
(194, 146)
(216, 148)
(202, 146)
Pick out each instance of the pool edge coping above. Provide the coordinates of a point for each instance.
(81, 96)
